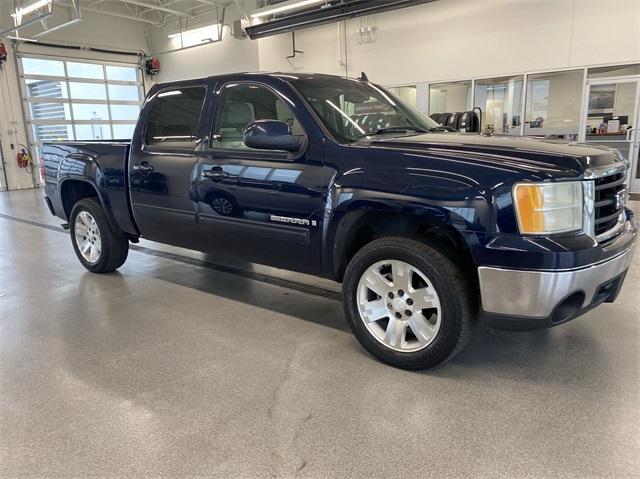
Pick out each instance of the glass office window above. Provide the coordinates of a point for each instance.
(553, 104)
(501, 102)
(614, 71)
(406, 93)
(449, 97)
(611, 109)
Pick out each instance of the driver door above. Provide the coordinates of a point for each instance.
(261, 206)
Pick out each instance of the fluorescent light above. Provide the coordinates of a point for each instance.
(284, 7)
(215, 28)
(196, 36)
(32, 8)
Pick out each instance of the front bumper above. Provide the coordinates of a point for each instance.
(519, 299)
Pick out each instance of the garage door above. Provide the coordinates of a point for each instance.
(72, 99)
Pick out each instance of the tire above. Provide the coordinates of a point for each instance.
(107, 250)
(443, 327)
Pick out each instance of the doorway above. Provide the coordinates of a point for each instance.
(611, 117)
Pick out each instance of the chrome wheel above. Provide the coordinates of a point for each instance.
(399, 305)
(87, 236)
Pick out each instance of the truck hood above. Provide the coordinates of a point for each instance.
(552, 158)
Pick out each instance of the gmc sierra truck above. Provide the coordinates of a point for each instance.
(431, 232)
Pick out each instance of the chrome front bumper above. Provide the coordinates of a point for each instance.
(510, 293)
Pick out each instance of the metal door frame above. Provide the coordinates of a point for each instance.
(633, 137)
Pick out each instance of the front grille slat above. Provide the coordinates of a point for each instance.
(605, 200)
(602, 203)
(609, 185)
(607, 219)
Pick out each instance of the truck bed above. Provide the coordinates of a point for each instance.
(101, 164)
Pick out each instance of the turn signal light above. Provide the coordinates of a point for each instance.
(546, 208)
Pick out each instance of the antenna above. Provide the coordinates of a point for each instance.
(363, 77)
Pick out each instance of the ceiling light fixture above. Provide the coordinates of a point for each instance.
(285, 7)
(197, 36)
(215, 29)
(20, 12)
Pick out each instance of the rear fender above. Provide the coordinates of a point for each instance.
(84, 168)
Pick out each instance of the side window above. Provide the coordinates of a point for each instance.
(241, 104)
(174, 118)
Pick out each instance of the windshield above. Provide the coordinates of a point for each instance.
(353, 109)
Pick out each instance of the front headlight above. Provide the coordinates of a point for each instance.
(545, 208)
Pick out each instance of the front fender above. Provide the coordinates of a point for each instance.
(346, 208)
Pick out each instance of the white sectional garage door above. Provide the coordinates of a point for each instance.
(76, 99)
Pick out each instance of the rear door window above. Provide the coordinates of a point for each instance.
(174, 118)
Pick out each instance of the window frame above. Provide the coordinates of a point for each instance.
(250, 152)
(151, 106)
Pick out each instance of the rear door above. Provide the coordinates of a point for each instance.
(163, 166)
(257, 205)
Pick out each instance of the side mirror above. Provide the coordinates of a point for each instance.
(271, 135)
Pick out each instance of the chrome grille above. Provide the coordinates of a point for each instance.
(610, 197)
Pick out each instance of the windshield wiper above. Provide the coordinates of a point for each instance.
(393, 129)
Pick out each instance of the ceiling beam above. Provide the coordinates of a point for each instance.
(114, 14)
(209, 2)
(153, 6)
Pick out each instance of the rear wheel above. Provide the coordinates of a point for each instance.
(407, 303)
(99, 249)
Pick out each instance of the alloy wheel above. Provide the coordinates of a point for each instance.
(399, 305)
(88, 237)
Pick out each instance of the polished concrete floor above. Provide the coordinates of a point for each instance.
(175, 366)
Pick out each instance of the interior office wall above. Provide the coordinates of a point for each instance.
(94, 30)
(455, 39)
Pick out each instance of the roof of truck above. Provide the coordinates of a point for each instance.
(285, 76)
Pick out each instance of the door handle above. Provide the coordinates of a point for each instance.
(215, 174)
(629, 130)
(145, 168)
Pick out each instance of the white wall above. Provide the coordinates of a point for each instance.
(228, 56)
(12, 131)
(456, 39)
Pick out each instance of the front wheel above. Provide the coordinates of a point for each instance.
(99, 249)
(407, 303)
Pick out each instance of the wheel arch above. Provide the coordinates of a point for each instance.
(74, 189)
(361, 225)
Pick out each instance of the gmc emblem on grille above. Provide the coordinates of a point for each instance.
(621, 198)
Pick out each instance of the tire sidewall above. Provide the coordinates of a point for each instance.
(94, 210)
(450, 307)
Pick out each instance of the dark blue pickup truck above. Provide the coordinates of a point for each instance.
(430, 231)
